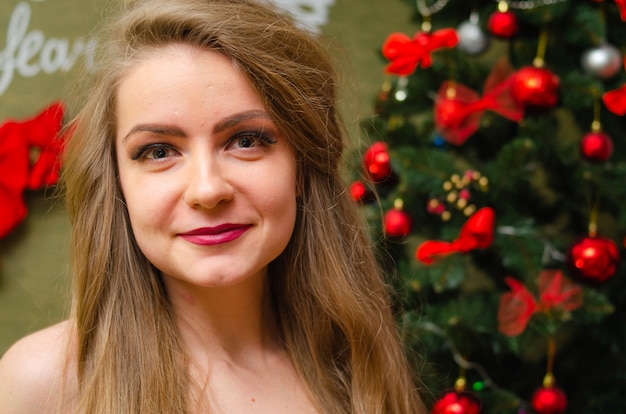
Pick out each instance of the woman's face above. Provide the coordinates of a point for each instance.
(208, 179)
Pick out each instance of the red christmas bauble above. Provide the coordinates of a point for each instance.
(535, 86)
(454, 402)
(549, 400)
(397, 223)
(359, 192)
(503, 24)
(593, 259)
(596, 146)
(376, 160)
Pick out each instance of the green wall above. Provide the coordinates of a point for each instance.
(33, 258)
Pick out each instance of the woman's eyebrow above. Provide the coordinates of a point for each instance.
(157, 129)
(174, 131)
(233, 120)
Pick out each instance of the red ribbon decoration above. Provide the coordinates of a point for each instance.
(476, 233)
(39, 134)
(42, 132)
(458, 109)
(615, 101)
(405, 54)
(621, 4)
(556, 293)
(13, 178)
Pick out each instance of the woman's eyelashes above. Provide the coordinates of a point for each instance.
(251, 139)
(153, 151)
(241, 141)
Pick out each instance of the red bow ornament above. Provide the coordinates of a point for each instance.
(557, 294)
(621, 4)
(405, 54)
(17, 140)
(615, 100)
(476, 233)
(13, 177)
(42, 133)
(458, 109)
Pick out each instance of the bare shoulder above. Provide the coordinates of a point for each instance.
(32, 372)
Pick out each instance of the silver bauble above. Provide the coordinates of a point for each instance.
(603, 61)
(472, 40)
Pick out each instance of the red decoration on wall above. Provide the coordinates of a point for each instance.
(556, 293)
(19, 141)
(13, 177)
(406, 54)
(476, 233)
(42, 133)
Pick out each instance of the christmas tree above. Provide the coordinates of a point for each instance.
(495, 185)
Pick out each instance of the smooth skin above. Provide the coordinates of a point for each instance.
(210, 186)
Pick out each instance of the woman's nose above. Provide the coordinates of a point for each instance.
(207, 186)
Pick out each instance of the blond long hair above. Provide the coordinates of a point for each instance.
(331, 300)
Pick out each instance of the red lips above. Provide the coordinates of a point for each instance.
(209, 236)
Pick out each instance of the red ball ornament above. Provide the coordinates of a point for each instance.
(593, 260)
(503, 24)
(596, 146)
(549, 400)
(454, 402)
(359, 192)
(376, 160)
(397, 223)
(534, 86)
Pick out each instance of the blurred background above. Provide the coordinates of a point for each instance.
(488, 161)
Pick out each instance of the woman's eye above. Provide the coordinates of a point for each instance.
(152, 152)
(252, 139)
(156, 153)
(247, 142)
